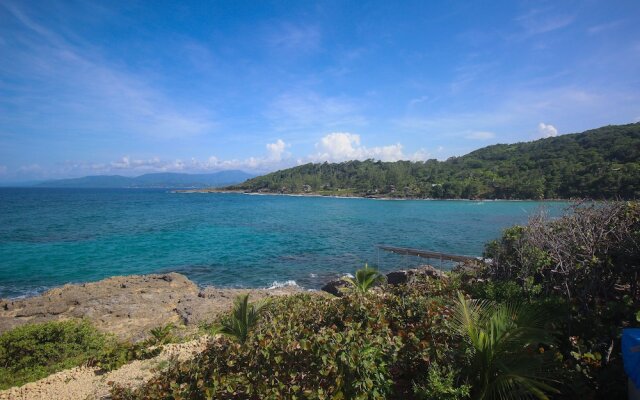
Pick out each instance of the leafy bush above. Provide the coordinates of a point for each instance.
(586, 265)
(31, 352)
(308, 346)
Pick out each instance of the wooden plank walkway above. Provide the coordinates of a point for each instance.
(428, 254)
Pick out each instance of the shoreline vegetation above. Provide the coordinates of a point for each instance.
(354, 196)
(597, 164)
(542, 318)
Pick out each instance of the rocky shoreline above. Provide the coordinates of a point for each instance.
(130, 306)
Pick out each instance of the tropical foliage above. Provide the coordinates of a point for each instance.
(506, 357)
(365, 279)
(600, 163)
(243, 318)
(162, 334)
(359, 346)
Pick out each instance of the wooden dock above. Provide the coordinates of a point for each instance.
(434, 255)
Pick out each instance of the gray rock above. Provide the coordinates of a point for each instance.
(128, 306)
(334, 287)
(407, 276)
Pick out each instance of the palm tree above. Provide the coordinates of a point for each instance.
(505, 361)
(243, 318)
(162, 334)
(365, 279)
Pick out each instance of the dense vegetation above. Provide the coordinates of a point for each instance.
(32, 352)
(584, 269)
(530, 324)
(600, 163)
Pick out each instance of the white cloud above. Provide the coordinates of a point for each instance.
(3, 169)
(333, 147)
(276, 150)
(418, 100)
(344, 146)
(547, 130)
(480, 135)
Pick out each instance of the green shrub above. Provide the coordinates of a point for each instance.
(162, 334)
(442, 383)
(31, 352)
(359, 346)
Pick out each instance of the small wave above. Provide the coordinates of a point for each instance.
(277, 285)
(348, 275)
(313, 275)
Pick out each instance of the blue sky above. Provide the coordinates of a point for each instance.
(135, 87)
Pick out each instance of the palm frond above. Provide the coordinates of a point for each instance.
(501, 338)
(365, 279)
(242, 319)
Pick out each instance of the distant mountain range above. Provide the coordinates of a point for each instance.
(156, 180)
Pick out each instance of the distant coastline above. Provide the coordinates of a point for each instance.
(349, 196)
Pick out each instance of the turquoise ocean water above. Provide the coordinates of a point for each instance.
(49, 237)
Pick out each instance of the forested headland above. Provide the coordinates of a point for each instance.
(602, 163)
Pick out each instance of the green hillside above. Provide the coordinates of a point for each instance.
(599, 163)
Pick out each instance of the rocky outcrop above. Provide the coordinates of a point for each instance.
(128, 306)
(336, 287)
(408, 275)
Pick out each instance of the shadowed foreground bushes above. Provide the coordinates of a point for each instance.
(583, 269)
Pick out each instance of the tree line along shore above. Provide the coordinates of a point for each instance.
(602, 163)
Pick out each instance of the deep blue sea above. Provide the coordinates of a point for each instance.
(49, 237)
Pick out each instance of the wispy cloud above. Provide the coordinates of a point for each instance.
(596, 29)
(480, 135)
(539, 21)
(92, 88)
(294, 37)
(305, 110)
